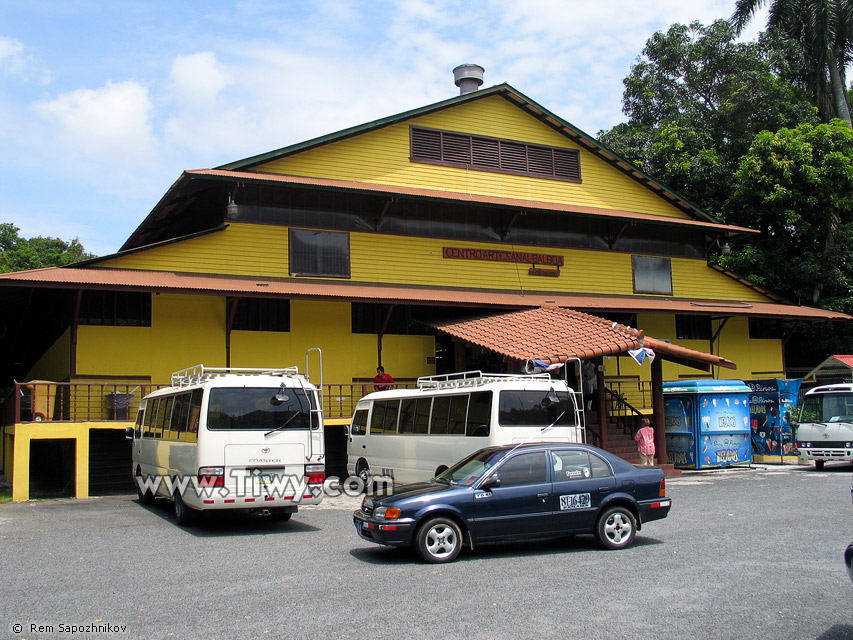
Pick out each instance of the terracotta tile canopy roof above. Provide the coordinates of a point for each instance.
(553, 334)
(214, 284)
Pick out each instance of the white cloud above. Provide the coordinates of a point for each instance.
(16, 61)
(102, 124)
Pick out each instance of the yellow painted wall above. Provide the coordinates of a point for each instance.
(185, 330)
(261, 250)
(382, 157)
(55, 364)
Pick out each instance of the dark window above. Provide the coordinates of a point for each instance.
(652, 275)
(457, 415)
(260, 408)
(600, 468)
(180, 415)
(256, 314)
(319, 253)
(195, 415)
(115, 308)
(693, 327)
(414, 415)
(493, 154)
(440, 409)
(392, 409)
(373, 318)
(535, 409)
(479, 414)
(359, 423)
(525, 468)
(766, 329)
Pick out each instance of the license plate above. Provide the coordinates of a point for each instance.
(574, 501)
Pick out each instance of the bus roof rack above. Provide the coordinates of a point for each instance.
(199, 373)
(474, 379)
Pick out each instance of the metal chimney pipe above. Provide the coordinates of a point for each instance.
(468, 77)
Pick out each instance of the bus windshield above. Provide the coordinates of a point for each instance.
(536, 409)
(828, 407)
(265, 408)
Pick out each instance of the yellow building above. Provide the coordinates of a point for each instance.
(354, 243)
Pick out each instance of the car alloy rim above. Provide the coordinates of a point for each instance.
(617, 528)
(441, 541)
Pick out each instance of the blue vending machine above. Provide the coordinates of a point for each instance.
(772, 405)
(707, 423)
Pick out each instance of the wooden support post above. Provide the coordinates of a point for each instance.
(658, 416)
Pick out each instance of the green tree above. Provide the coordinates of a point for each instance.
(796, 187)
(823, 32)
(695, 99)
(18, 254)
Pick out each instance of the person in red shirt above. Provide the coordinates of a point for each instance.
(382, 380)
(646, 443)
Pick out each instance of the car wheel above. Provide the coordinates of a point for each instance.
(184, 516)
(439, 540)
(616, 528)
(144, 497)
(362, 471)
(818, 464)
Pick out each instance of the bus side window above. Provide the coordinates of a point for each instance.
(479, 414)
(457, 414)
(392, 410)
(151, 418)
(179, 416)
(408, 410)
(140, 416)
(440, 411)
(422, 415)
(377, 417)
(359, 423)
(194, 416)
(164, 417)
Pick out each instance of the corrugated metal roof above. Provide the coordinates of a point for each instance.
(554, 334)
(169, 281)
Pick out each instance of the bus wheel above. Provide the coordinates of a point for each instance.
(280, 515)
(362, 470)
(144, 497)
(184, 516)
(818, 464)
(439, 540)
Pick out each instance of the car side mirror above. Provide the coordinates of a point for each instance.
(492, 483)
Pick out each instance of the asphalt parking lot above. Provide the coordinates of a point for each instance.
(753, 553)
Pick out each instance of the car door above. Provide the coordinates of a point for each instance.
(582, 480)
(521, 505)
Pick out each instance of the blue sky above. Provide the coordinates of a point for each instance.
(103, 104)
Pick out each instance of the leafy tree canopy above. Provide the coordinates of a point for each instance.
(695, 99)
(18, 254)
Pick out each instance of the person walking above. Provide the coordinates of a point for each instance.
(646, 443)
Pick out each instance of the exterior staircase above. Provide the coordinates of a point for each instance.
(620, 442)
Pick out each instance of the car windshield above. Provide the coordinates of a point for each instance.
(828, 407)
(468, 470)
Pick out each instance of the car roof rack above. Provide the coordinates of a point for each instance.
(199, 373)
(475, 379)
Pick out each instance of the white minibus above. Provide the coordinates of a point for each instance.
(410, 435)
(230, 439)
(825, 427)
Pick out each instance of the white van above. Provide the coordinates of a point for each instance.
(230, 439)
(825, 427)
(409, 435)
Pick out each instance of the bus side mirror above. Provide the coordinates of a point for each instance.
(128, 433)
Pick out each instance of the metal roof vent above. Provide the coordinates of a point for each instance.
(468, 77)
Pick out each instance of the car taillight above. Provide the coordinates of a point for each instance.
(663, 487)
(315, 473)
(211, 477)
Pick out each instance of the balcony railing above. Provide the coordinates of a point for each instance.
(111, 401)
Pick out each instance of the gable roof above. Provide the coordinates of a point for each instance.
(512, 95)
(554, 334)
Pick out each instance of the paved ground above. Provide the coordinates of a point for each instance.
(744, 554)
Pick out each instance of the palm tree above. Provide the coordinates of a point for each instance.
(823, 29)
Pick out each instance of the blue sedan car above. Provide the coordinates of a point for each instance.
(516, 492)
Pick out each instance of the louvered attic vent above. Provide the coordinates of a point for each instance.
(494, 154)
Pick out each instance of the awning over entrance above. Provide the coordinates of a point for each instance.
(554, 334)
